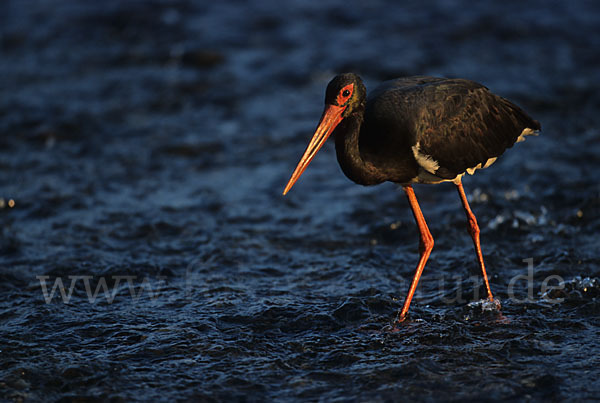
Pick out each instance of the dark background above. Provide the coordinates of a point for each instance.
(152, 140)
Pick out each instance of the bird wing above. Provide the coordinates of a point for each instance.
(455, 124)
(462, 126)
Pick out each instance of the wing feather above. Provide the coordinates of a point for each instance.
(462, 125)
(439, 128)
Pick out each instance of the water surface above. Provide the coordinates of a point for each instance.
(146, 145)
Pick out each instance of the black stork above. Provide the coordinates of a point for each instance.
(417, 130)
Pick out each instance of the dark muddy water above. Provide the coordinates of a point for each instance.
(146, 252)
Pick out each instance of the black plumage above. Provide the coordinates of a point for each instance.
(457, 123)
(417, 130)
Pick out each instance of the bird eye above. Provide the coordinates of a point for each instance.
(345, 94)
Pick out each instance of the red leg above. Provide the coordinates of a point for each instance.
(425, 247)
(473, 229)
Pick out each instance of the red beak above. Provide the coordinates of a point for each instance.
(332, 116)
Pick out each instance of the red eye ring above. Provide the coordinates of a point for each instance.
(345, 94)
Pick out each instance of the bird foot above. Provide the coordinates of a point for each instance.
(483, 308)
(491, 304)
(401, 318)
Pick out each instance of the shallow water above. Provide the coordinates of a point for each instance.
(145, 146)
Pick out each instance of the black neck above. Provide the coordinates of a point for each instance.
(355, 165)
